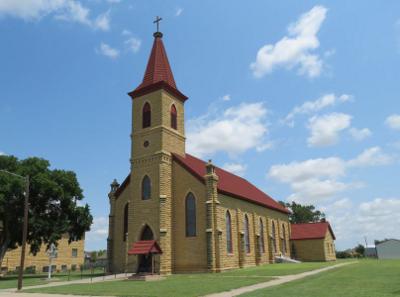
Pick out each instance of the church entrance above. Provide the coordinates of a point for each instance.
(146, 260)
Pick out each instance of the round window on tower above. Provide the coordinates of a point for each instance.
(146, 143)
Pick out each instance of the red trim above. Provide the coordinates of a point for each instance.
(161, 85)
(309, 231)
(145, 247)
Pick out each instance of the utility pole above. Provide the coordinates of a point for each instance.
(25, 226)
(24, 235)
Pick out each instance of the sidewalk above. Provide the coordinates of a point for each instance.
(96, 279)
(280, 280)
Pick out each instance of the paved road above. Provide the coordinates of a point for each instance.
(280, 280)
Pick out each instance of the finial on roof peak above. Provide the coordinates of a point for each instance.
(157, 34)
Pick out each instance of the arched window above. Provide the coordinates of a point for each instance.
(125, 226)
(146, 188)
(283, 240)
(228, 232)
(190, 209)
(273, 239)
(173, 117)
(146, 115)
(246, 234)
(261, 238)
(147, 234)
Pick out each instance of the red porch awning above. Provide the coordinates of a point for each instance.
(144, 247)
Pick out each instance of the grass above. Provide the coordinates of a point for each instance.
(10, 281)
(279, 269)
(367, 278)
(185, 285)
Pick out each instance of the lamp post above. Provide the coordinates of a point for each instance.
(25, 227)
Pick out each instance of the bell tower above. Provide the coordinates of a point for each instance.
(157, 131)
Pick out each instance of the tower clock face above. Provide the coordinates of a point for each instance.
(146, 143)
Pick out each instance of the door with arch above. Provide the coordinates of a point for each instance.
(146, 261)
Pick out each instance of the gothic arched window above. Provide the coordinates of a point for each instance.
(273, 239)
(146, 115)
(246, 234)
(261, 243)
(146, 188)
(173, 117)
(125, 226)
(190, 213)
(283, 240)
(228, 232)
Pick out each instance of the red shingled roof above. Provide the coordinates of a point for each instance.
(230, 184)
(310, 231)
(144, 247)
(158, 73)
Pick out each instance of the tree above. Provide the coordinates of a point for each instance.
(303, 213)
(360, 249)
(54, 208)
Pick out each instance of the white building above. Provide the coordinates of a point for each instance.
(389, 249)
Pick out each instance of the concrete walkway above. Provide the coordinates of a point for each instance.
(97, 279)
(280, 280)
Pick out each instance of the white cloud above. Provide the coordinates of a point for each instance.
(265, 146)
(309, 107)
(3, 153)
(235, 130)
(393, 121)
(126, 32)
(97, 236)
(67, 10)
(360, 134)
(235, 168)
(370, 157)
(316, 180)
(370, 219)
(108, 51)
(178, 11)
(296, 49)
(325, 129)
(102, 22)
(133, 44)
(300, 171)
(226, 97)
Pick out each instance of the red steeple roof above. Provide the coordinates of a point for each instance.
(158, 73)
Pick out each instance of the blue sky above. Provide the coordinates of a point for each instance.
(299, 97)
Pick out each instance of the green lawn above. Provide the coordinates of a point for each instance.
(10, 281)
(367, 278)
(279, 269)
(185, 285)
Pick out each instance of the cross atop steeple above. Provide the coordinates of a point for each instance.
(157, 21)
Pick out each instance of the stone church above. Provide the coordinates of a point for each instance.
(176, 213)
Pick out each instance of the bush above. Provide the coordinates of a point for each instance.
(343, 255)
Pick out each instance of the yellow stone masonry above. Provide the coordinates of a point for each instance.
(67, 257)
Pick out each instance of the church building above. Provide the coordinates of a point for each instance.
(176, 213)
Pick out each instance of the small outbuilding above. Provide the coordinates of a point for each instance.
(313, 242)
(388, 249)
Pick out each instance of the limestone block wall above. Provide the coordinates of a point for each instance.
(238, 209)
(315, 249)
(189, 253)
(329, 246)
(65, 259)
(119, 245)
(160, 135)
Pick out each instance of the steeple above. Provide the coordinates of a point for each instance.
(158, 73)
